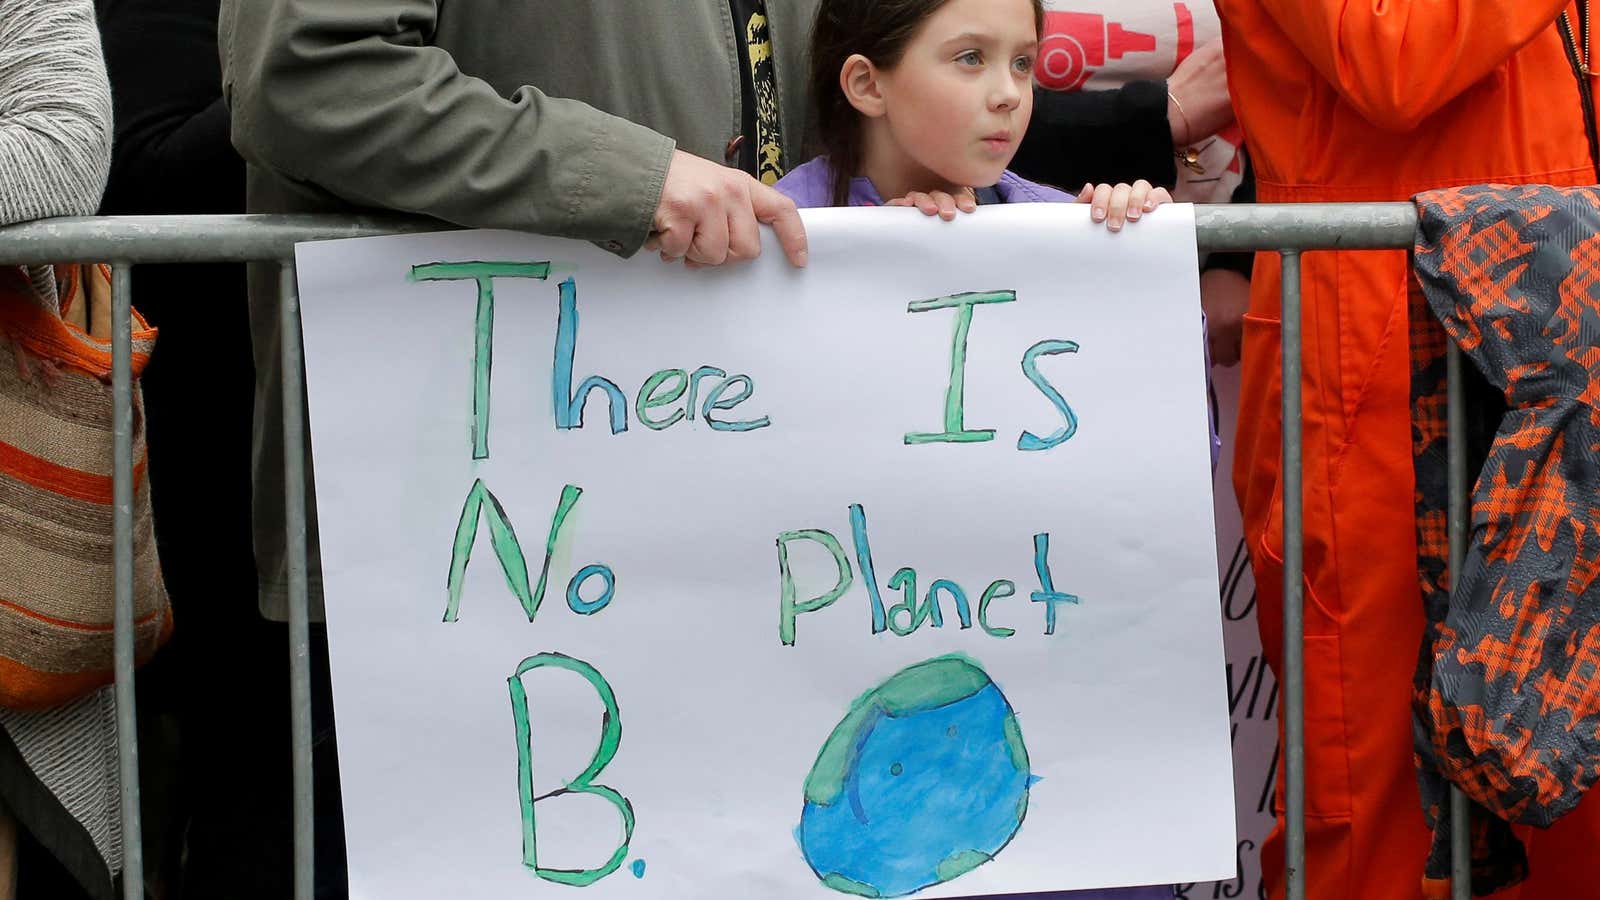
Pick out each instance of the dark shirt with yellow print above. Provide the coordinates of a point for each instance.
(760, 153)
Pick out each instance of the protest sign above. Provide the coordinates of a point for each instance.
(894, 575)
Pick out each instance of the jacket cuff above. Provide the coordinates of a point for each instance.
(1144, 106)
(623, 176)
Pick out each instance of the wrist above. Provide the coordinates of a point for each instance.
(1178, 121)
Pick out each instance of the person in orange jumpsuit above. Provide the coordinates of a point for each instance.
(1378, 100)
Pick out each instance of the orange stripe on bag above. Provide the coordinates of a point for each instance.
(30, 690)
(76, 626)
(46, 475)
(47, 336)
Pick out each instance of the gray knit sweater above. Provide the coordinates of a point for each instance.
(55, 152)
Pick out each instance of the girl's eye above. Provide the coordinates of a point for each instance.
(970, 58)
(1023, 65)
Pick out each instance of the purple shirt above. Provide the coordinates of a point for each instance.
(811, 185)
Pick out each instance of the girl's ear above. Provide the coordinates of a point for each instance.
(860, 81)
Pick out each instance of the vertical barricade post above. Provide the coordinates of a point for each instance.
(294, 480)
(1294, 750)
(122, 575)
(1460, 809)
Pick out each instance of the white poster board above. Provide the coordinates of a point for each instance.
(734, 683)
(1252, 689)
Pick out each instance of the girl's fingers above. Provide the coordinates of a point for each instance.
(1156, 197)
(937, 203)
(1087, 193)
(1138, 196)
(1102, 203)
(1117, 209)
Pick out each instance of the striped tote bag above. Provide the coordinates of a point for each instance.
(56, 567)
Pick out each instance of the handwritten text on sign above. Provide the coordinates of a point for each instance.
(751, 688)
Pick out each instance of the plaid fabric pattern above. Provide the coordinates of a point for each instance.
(1507, 697)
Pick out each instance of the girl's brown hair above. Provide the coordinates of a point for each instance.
(878, 30)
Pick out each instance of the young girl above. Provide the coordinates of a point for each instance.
(924, 102)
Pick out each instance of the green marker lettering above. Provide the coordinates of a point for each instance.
(955, 430)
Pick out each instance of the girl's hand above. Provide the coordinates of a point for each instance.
(1124, 203)
(938, 203)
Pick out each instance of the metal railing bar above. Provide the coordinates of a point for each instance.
(1293, 679)
(1306, 226)
(122, 591)
(251, 238)
(189, 239)
(299, 618)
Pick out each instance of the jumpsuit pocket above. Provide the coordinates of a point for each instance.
(1265, 502)
(1328, 801)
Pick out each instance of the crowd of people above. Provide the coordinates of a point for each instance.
(683, 130)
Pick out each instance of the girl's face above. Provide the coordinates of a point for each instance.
(954, 108)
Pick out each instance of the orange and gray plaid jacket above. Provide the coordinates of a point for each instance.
(1507, 701)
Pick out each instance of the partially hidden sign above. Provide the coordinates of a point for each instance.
(890, 576)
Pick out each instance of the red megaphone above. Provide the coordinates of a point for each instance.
(1076, 43)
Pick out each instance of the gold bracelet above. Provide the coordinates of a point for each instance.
(1188, 129)
(1190, 155)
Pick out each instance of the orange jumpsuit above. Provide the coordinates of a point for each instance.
(1371, 100)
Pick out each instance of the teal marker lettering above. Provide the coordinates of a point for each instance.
(788, 607)
(569, 405)
(955, 430)
(484, 273)
(584, 783)
(1030, 367)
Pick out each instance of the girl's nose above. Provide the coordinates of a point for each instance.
(1007, 95)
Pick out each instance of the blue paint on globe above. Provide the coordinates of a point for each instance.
(926, 792)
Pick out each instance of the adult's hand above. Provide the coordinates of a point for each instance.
(1200, 85)
(1225, 297)
(708, 215)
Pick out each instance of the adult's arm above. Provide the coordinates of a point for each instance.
(345, 94)
(1111, 136)
(172, 152)
(55, 110)
(1399, 61)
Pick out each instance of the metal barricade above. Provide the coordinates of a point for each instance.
(1290, 229)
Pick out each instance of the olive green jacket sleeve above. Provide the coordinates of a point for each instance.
(348, 96)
